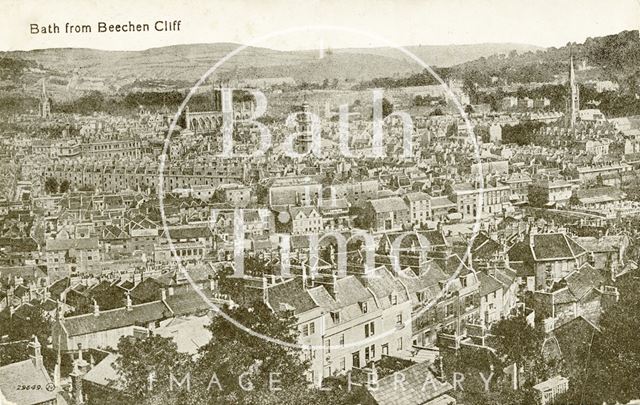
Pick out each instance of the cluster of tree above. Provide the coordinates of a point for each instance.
(611, 103)
(53, 186)
(12, 103)
(234, 367)
(606, 368)
(96, 101)
(632, 189)
(20, 330)
(11, 68)
(616, 55)
(424, 78)
(333, 85)
(523, 133)
(481, 373)
(427, 100)
(537, 195)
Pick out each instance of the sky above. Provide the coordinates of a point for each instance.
(353, 23)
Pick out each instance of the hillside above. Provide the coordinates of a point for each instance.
(445, 55)
(612, 57)
(77, 70)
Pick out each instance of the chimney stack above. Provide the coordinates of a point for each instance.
(129, 304)
(35, 355)
(96, 309)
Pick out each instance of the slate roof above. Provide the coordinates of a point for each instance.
(488, 284)
(413, 391)
(383, 284)
(68, 244)
(25, 373)
(547, 246)
(186, 303)
(550, 246)
(105, 374)
(116, 318)
(484, 247)
(290, 292)
(416, 239)
(441, 202)
(582, 281)
(388, 204)
(417, 196)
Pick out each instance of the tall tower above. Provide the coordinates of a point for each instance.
(574, 101)
(45, 102)
(305, 137)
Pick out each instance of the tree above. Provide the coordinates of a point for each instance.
(610, 364)
(152, 355)
(64, 186)
(51, 185)
(387, 107)
(538, 195)
(468, 109)
(520, 343)
(520, 134)
(517, 340)
(30, 321)
(574, 200)
(233, 351)
(13, 352)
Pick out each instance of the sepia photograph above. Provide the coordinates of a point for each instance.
(276, 202)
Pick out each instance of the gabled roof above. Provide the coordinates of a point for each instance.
(441, 202)
(105, 374)
(488, 284)
(417, 196)
(290, 292)
(54, 245)
(110, 232)
(484, 247)
(546, 246)
(549, 246)
(583, 280)
(116, 318)
(186, 303)
(25, 373)
(419, 387)
(388, 204)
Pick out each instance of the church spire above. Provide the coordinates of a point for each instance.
(45, 102)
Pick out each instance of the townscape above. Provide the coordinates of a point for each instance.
(482, 250)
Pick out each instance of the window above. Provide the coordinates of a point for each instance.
(394, 299)
(335, 316)
(399, 319)
(385, 349)
(355, 359)
(369, 353)
(343, 364)
(448, 310)
(463, 281)
(399, 344)
(363, 307)
(308, 329)
(327, 371)
(327, 346)
(342, 340)
(369, 329)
